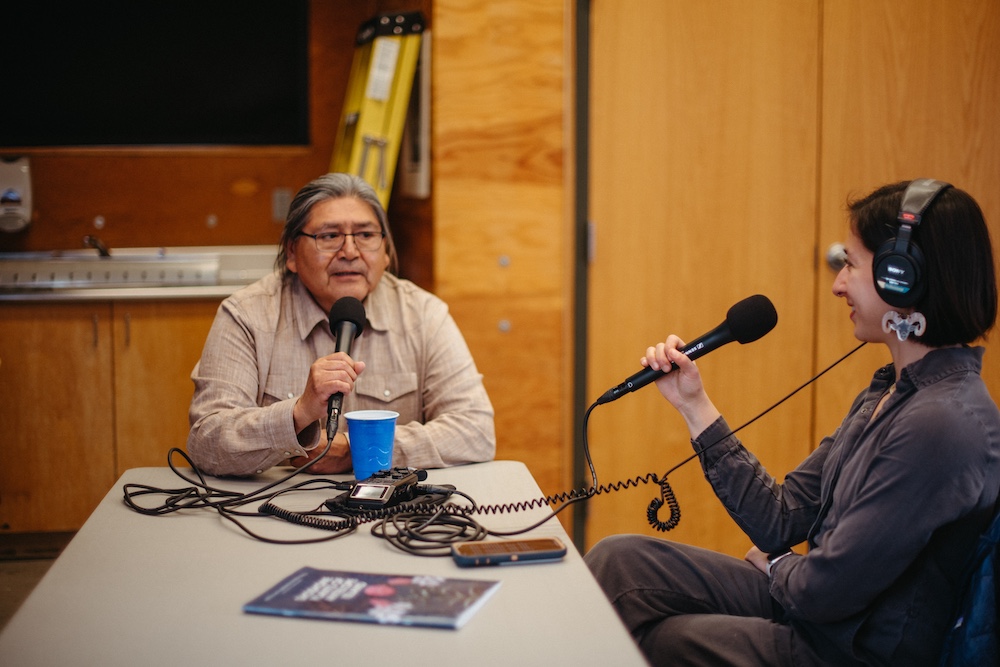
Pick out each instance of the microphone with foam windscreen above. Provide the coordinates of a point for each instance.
(745, 322)
(347, 321)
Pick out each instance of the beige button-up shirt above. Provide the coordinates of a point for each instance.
(267, 335)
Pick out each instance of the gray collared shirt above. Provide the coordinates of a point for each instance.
(891, 507)
(257, 357)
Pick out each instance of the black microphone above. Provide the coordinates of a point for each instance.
(745, 322)
(347, 321)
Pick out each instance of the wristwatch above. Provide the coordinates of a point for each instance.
(771, 560)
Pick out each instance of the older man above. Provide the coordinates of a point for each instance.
(269, 365)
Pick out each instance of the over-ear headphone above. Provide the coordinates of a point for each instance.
(898, 267)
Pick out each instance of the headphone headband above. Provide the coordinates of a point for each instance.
(918, 197)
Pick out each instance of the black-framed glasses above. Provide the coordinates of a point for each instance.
(368, 241)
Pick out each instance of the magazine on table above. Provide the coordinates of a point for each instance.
(393, 599)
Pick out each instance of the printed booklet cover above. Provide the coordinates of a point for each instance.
(439, 602)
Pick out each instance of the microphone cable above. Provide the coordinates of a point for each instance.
(425, 528)
(202, 495)
(667, 497)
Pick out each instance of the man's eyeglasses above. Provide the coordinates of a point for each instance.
(368, 241)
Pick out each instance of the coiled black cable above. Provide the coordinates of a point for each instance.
(311, 520)
(653, 511)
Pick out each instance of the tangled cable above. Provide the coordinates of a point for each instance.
(429, 534)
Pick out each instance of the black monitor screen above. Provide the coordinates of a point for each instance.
(166, 72)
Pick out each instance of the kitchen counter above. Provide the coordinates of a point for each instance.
(119, 293)
(202, 272)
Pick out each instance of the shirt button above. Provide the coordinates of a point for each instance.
(291, 395)
(387, 393)
(288, 453)
(260, 472)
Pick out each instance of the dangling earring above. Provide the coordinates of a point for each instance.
(914, 323)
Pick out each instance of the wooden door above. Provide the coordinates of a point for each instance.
(56, 419)
(911, 89)
(703, 158)
(157, 345)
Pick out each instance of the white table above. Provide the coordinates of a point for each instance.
(132, 589)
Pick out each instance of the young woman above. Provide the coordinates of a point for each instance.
(887, 509)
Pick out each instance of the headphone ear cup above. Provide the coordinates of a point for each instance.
(898, 274)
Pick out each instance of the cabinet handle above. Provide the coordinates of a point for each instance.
(96, 322)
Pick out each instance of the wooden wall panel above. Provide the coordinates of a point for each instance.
(516, 343)
(499, 146)
(501, 222)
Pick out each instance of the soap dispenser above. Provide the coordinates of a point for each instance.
(15, 194)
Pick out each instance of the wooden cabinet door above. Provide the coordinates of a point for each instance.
(156, 346)
(56, 414)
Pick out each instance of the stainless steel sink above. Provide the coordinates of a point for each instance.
(135, 267)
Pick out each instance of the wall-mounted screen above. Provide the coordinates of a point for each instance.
(164, 72)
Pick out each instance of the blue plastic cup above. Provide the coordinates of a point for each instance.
(372, 434)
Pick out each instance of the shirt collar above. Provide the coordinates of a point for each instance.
(942, 362)
(378, 304)
(308, 314)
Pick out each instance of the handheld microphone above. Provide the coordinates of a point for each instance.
(347, 321)
(745, 322)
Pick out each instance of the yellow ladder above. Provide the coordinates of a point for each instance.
(386, 51)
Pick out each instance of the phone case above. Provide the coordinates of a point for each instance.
(508, 552)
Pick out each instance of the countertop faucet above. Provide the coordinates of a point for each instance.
(94, 242)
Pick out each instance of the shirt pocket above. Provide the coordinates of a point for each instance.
(389, 388)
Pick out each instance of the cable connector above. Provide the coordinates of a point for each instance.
(332, 422)
(430, 488)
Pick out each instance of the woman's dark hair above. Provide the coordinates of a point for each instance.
(331, 186)
(960, 302)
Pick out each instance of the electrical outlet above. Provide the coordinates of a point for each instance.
(281, 199)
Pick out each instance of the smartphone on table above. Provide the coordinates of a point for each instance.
(508, 552)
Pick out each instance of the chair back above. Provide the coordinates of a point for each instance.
(972, 639)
